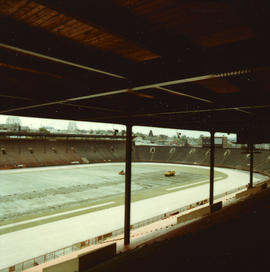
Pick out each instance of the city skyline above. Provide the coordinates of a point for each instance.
(36, 123)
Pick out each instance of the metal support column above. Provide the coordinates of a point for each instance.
(128, 185)
(67, 144)
(212, 162)
(44, 144)
(251, 165)
(20, 144)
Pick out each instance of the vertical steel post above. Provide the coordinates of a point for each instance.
(212, 162)
(20, 147)
(251, 165)
(67, 144)
(128, 184)
(44, 144)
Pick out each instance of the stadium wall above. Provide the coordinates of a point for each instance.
(16, 153)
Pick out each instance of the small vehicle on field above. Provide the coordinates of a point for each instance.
(122, 172)
(169, 173)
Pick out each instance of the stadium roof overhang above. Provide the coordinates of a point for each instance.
(178, 64)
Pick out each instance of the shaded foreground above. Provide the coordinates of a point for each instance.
(235, 238)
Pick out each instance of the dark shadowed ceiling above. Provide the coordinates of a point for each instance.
(202, 65)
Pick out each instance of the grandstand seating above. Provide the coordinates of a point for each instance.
(40, 152)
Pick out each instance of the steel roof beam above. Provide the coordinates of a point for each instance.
(183, 94)
(240, 108)
(144, 87)
(69, 63)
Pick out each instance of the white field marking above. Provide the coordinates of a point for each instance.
(184, 186)
(55, 215)
(58, 167)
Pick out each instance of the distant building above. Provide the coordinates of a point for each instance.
(51, 129)
(221, 142)
(13, 123)
(72, 127)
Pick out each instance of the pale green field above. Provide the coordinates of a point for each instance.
(35, 193)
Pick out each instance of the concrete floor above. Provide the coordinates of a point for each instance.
(27, 243)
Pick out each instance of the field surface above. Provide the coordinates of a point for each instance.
(79, 215)
(29, 193)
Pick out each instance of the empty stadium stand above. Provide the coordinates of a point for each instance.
(40, 152)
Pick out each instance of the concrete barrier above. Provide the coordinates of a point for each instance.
(81, 260)
(216, 206)
(67, 266)
(199, 212)
(91, 259)
(193, 215)
(248, 192)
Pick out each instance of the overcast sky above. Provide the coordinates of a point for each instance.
(35, 123)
